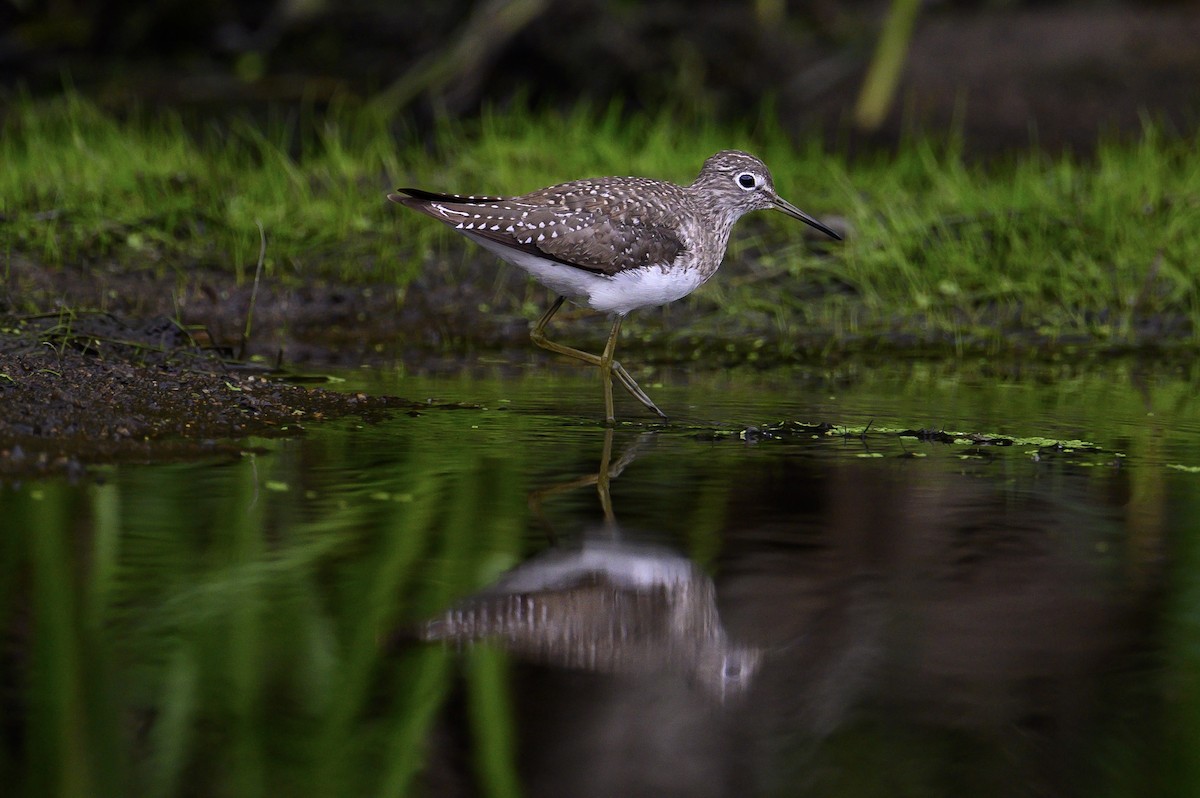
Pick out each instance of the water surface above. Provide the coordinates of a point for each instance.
(753, 609)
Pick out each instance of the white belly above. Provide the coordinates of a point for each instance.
(621, 293)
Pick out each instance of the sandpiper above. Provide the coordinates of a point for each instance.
(615, 244)
(609, 607)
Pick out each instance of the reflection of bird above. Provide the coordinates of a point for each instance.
(615, 243)
(608, 607)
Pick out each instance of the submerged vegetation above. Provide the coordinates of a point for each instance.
(940, 249)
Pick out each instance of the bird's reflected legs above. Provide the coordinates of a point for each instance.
(608, 366)
(603, 477)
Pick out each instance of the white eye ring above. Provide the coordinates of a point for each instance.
(748, 181)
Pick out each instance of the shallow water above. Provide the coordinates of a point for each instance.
(752, 608)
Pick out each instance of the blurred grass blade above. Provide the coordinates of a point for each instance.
(171, 735)
(492, 722)
(404, 539)
(887, 65)
(59, 751)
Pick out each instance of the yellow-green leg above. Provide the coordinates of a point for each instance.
(606, 361)
(608, 366)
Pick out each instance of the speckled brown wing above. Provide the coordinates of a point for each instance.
(607, 236)
(587, 224)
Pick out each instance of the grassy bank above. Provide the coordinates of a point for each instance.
(939, 249)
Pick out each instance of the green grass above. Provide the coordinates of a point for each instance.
(150, 191)
(939, 245)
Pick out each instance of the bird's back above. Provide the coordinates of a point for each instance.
(602, 225)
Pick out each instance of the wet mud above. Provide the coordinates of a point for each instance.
(106, 391)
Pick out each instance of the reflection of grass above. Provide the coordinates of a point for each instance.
(195, 629)
(212, 636)
(1181, 636)
(1049, 245)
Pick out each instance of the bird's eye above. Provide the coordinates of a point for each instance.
(747, 180)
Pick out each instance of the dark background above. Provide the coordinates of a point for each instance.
(1004, 74)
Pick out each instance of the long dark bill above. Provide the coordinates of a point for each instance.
(796, 213)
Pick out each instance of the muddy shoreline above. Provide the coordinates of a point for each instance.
(112, 392)
(153, 375)
(475, 304)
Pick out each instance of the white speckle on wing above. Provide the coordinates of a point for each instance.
(442, 209)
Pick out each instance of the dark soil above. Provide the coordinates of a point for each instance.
(98, 390)
(475, 303)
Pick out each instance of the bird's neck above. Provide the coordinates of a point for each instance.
(714, 221)
(717, 218)
(715, 207)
